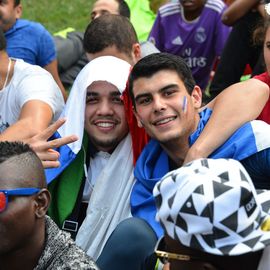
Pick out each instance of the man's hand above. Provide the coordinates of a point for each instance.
(44, 148)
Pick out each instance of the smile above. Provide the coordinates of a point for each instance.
(164, 121)
(105, 124)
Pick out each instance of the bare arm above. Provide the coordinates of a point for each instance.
(237, 10)
(52, 68)
(32, 128)
(236, 105)
(35, 116)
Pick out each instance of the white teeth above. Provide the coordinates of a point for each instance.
(164, 121)
(105, 125)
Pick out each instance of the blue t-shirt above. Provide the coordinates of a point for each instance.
(31, 42)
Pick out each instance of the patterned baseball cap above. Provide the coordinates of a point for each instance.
(212, 205)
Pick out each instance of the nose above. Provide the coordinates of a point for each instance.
(159, 104)
(105, 108)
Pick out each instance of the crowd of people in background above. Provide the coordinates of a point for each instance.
(141, 143)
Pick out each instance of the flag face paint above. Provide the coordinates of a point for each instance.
(184, 105)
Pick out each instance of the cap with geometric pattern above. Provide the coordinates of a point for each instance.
(212, 205)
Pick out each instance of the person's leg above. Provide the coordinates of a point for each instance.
(238, 51)
(130, 246)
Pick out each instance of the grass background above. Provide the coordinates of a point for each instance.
(57, 15)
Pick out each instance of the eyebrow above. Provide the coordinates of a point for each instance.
(169, 86)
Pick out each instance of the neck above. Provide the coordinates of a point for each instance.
(4, 59)
(192, 15)
(27, 256)
(178, 148)
(6, 69)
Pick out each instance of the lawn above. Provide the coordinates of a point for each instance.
(58, 14)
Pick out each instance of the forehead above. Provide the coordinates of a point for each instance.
(8, 2)
(111, 6)
(157, 81)
(102, 88)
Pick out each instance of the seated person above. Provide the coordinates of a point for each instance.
(70, 51)
(202, 230)
(29, 238)
(30, 100)
(28, 40)
(166, 103)
(91, 195)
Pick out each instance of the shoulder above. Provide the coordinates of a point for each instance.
(169, 10)
(33, 28)
(264, 77)
(61, 252)
(215, 5)
(23, 70)
(35, 25)
(76, 258)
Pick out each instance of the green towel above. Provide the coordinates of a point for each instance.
(65, 188)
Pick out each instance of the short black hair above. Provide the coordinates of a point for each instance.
(25, 160)
(16, 2)
(110, 30)
(151, 64)
(123, 8)
(3, 43)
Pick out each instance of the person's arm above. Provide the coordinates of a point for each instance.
(52, 68)
(34, 117)
(237, 10)
(236, 105)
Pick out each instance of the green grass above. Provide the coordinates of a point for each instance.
(57, 15)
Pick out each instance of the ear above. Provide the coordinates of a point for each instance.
(18, 10)
(42, 202)
(139, 121)
(136, 52)
(196, 97)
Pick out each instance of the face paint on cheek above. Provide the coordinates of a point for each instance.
(184, 104)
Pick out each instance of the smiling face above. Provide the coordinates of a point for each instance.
(9, 13)
(105, 120)
(164, 107)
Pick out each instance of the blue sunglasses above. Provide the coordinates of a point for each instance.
(4, 193)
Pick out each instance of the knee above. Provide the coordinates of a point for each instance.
(136, 234)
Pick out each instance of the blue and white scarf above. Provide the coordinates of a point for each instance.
(153, 163)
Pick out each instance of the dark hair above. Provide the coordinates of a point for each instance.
(110, 30)
(25, 160)
(16, 3)
(260, 31)
(3, 43)
(123, 8)
(151, 64)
